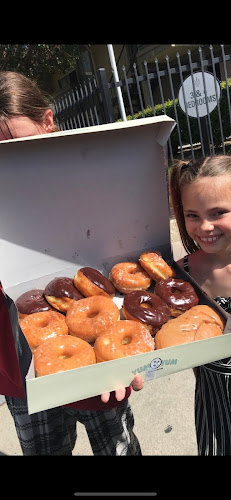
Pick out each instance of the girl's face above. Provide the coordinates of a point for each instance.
(207, 211)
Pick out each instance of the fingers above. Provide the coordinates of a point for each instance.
(137, 383)
(119, 394)
(105, 397)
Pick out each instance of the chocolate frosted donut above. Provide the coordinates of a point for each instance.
(178, 294)
(31, 302)
(91, 282)
(61, 292)
(147, 308)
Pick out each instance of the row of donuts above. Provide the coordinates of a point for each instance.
(126, 277)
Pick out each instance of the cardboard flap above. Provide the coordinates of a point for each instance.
(82, 195)
(163, 125)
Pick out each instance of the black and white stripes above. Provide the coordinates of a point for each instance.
(213, 400)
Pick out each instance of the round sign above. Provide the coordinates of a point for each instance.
(198, 93)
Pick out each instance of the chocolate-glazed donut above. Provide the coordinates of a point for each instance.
(178, 294)
(31, 302)
(91, 282)
(61, 292)
(147, 308)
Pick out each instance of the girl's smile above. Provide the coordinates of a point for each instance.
(210, 239)
(207, 212)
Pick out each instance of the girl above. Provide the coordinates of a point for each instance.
(108, 419)
(201, 199)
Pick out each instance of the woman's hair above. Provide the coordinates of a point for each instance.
(20, 96)
(184, 173)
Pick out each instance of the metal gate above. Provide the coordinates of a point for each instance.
(152, 93)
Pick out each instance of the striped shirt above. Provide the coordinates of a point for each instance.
(213, 400)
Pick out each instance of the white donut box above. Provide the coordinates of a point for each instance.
(91, 197)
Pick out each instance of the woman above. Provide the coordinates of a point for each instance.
(24, 111)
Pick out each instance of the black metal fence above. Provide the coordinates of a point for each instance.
(155, 92)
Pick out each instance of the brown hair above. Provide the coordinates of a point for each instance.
(20, 96)
(184, 173)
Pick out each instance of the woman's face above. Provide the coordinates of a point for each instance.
(22, 126)
(207, 211)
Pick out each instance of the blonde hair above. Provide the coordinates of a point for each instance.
(185, 173)
(20, 96)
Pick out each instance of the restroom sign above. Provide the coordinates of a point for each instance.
(199, 94)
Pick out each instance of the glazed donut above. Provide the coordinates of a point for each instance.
(43, 325)
(129, 276)
(89, 317)
(31, 302)
(62, 353)
(122, 339)
(91, 282)
(198, 323)
(155, 266)
(61, 292)
(178, 294)
(147, 308)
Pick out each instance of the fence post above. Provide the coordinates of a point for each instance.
(105, 94)
(205, 135)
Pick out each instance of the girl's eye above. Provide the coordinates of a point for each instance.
(191, 216)
(218, 213)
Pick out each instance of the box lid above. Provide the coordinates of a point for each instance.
(83, 196)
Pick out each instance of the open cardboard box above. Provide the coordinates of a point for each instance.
(94, 196)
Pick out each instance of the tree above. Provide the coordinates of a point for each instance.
(39, 61)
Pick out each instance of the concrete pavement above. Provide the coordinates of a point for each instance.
(163, 411)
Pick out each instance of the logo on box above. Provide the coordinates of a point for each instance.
(151, 368)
